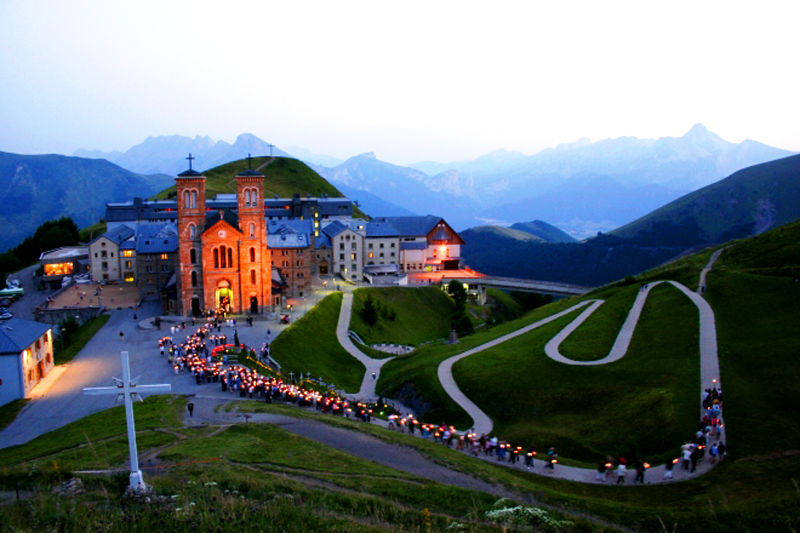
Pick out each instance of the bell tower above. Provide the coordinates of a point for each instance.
(255, 271)
(191, 191)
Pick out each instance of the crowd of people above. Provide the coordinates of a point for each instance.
(203, 355)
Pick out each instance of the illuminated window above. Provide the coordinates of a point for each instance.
(129, 277)
(371, 254)
(128, 264)
(127, 253)
(58, 269)
(164, 257)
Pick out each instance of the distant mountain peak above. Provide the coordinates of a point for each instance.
(366, 155)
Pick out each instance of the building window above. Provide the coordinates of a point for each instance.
(353, 245)
(380, 245)
(192, 231)
(192, 256)
(341, 257)
(341, 246)
(103, 253)
(252, 255)
(216, 257)
(371, 254)
(353, 257)
(164, 257)
(194, 278)
(252, 277)
(164, 268)
(370, 246)
(252, 230)
(128, 264)
(285, 264)
(392, 245)
(104, 265)
(230, 257)
(127, 253)
(299, 263)
(149, 268)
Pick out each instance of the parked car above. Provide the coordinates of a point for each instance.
(5, 302)
(5, 314)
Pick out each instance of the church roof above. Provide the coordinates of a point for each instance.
(227, 215)
(250, 172)
(189, 174)
(16, 334)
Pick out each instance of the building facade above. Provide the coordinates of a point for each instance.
(224, 263)
(26, 357)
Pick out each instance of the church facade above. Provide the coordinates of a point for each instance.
(224, 263)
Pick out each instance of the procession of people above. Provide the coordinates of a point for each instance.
(204, 354)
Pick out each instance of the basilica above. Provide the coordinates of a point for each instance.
(223, 259)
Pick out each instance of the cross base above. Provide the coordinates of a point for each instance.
(137, 483)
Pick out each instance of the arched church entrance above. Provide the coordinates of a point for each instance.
(224, 296)
(323, 267)
(254, 305)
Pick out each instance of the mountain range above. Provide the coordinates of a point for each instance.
(583, 187)
(746, 203)
(165, 154)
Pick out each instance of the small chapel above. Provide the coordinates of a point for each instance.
(224, 264)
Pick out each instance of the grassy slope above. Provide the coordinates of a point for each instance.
(422, 314)
(310, 345)
(641, 406)
(250, 477)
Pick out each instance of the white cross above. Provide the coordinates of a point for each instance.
(127, 390)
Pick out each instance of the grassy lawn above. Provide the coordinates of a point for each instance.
(421, 315)
(310, 345)
(79, 339)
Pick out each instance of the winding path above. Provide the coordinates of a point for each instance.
(373, 366)
(709, 361)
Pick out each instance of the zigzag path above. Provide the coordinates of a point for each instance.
(709, 365)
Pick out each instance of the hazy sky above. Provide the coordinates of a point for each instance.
(408, 80)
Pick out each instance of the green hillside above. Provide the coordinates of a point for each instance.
(748, 202)
(310, 345)
(406, 316)
(283, 177)
(543, 230)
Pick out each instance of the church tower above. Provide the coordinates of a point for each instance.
(191, 190)
(255, 261)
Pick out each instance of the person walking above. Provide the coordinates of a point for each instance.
(190, 407)
(621, 471)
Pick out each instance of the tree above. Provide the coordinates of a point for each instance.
(459, 294)
(369, 311)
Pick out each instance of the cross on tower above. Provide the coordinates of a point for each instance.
(190, 158)
(271, 146)
(249, 162)
(127, 389)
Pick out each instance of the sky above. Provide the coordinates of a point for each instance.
(410, 81)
